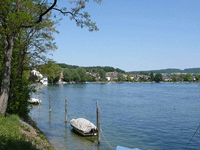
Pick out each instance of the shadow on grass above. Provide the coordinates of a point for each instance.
(7, 143)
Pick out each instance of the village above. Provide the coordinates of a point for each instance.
(117, 77)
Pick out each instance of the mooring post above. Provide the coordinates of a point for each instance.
(65, 109)
(50, 118)
(50, 102)
(98, 125)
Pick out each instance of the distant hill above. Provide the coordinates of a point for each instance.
(62, 65)
(192, 70)
(188, 70)
(111, 69)
(93, 69)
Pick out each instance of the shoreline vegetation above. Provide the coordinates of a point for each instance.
(19, 134)
(96, 82)
(56, 73)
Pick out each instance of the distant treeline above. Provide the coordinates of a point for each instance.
(189, 70)
(92, 69)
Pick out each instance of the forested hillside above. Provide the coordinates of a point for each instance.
(188, 70)
(93, 69)
(111, 69)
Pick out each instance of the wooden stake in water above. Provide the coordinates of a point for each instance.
(65, 109)
(50, 102)
(98, 125)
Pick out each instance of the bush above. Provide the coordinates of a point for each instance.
(18, 97)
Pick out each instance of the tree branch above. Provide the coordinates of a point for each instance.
(66, 12)
(40, 17)
(44, 13)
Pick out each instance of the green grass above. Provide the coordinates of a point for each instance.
(11, 138)
(10, 135)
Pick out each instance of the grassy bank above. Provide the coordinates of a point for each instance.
(15, 135)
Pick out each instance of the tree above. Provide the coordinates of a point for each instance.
(187, 77)
(143, 73)
(129, 78)
(152, 76)
(82, 74)
(158, 77)
(102, 74)
(174, 78)
(51, 70)
(197, 76)
(75, 76)
(17, 15)
(67, 75)
(120, 77)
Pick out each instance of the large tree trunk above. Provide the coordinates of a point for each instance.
(5, 85)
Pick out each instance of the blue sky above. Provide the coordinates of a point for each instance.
(133, 35)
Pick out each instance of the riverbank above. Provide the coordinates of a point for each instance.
(18, 135)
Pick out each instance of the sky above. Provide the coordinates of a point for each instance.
(134, 35)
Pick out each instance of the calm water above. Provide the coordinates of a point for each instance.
(143, 115)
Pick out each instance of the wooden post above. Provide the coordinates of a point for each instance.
(65, 109)
(50, 118)
(50, 102)
(98, 125)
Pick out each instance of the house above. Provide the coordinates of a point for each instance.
(166, 77)
(108, 78)
(41, 78)
(44, 81)
(111, 76)
(36, 73)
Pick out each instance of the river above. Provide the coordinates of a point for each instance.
(136, 115)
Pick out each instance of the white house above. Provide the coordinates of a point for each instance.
(108, 78)
(42, 79)
(36, 73)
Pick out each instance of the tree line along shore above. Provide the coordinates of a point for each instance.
(58, 73)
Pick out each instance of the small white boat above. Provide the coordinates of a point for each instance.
(84, 127)
(34, 101)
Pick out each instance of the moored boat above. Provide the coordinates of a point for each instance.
(34, 101)
(84, 127)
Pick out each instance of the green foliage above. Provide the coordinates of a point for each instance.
(62, 65)
(189, 70)
(25, 128)
(129, 78)
(197, 76)
(75, 76)
(90, 79)
(27, 26)
(119, 70)
(51, 70)
(187, 77)
(11, 138)
(20, 94)
(174, 78)
(120, 77)
(67, 75)
(82, 74)
(144, 73)
(10, 135)
(102, 74)
(192, 70)
(92, 69)
(151, 77)
(158, 77)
